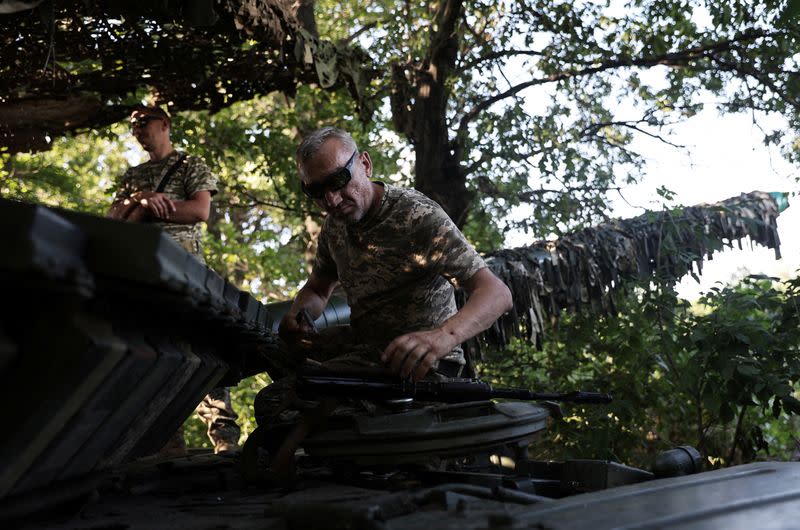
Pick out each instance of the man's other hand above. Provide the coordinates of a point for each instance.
(296, 327)
(159, 205)
(414, 354)
(138, 215)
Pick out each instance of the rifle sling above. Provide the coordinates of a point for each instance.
(168, 175)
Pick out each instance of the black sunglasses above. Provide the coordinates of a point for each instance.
(334, 182)
(142, 121)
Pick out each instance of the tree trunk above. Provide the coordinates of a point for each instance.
(303, 11)
(438, 173)
(419, 110)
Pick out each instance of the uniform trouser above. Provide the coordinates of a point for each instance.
(217, 413)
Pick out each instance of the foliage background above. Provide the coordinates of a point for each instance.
(719, 375)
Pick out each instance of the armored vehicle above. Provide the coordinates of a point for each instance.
(111, 333)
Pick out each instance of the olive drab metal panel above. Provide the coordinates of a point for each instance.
(113, 333)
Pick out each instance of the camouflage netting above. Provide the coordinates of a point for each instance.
(71, 65)
(583, 269)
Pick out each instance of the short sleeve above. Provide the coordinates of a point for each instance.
(198, 177)
(123, 188)
(324, 266)
(450, 252)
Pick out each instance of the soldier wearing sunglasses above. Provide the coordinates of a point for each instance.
(397, 255)
(174, 191)
(187, 185)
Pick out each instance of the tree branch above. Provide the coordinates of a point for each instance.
(242, 190)
(488, 188)
(470, 29)
(473, 166)
(442, 49)
(669, 59)
(761, 78)
(366, 27)
(736, 435)
(591, 130)
(499, 54)
(534, 195)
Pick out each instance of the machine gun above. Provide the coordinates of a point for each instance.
(378, 385)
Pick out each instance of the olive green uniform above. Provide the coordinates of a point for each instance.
(191, 176)
(397, 266)
(397, 269)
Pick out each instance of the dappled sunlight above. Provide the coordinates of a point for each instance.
(424, 90)
(420, 259)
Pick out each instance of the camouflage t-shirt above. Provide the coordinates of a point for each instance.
(396, 267)
(192, 176)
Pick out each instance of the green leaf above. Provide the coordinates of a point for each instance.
(748, 369)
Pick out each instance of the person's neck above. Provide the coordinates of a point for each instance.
(378, 190)
(161, 152)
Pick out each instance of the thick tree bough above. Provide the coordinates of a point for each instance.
(71, 66)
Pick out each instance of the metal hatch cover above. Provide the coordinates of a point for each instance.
(764, 495)
(430, 430)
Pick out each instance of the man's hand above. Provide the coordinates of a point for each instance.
(159, 205)
(416, 353)
(296, 327)
(138, 215)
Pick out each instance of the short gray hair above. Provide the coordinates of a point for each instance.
(314, 140)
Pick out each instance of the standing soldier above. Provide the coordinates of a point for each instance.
(173, 190)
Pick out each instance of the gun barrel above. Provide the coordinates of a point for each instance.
(385, 387)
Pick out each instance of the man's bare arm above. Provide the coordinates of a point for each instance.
(158, 206)
(416, 353)
(193, 210)
(488, 299)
